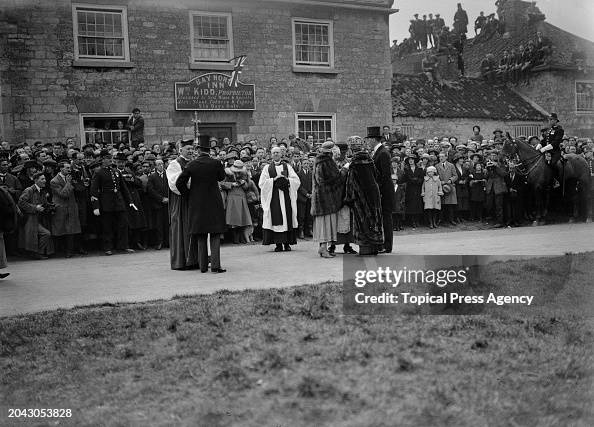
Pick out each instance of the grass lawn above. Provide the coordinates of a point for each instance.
(289, 357)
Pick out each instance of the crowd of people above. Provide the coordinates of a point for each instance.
(123, 198)
(515, 64)
(432, 35)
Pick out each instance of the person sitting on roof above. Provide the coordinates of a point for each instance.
(544, 48)
(488, 68)
(430, 67)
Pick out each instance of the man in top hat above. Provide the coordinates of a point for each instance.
(382, 161)
(110, 199)
(182, 256)
(304, 198)
(206, 211)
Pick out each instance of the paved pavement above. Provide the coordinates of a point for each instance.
(63, 283)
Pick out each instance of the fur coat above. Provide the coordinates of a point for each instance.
(327, 186)
(363, 197)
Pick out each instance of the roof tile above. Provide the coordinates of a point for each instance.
(415, 96)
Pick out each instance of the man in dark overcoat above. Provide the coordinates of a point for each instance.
(110, 198)
(65, 221)
(304, 199)
(158, 194)
(383, 164)
(207, 214)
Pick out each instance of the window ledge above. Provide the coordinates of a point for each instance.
(102, 64)
(584, 113)
(319, 70)
(220, 66)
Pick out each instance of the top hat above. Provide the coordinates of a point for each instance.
(554, 116)
(204, 142)
(105, 154)
(374, 132)
(497, 130)
(121, 156)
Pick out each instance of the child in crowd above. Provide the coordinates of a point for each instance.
(431, 193)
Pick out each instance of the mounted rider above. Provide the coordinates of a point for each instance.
(552, 140)
(551, 145)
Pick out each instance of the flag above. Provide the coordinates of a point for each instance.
(239, 61)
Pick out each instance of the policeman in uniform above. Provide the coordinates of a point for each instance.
(110, 198)
(552, 140)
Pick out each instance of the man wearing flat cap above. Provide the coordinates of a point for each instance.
(207, 214)
(110, 198)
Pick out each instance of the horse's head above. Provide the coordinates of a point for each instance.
(510, 147)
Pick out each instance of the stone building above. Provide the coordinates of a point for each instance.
(564, 84)
(317, 67)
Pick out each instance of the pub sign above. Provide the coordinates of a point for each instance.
(214, 91)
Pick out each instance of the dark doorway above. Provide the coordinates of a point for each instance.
(219, 130)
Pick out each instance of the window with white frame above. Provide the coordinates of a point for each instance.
(100, 32)
(320, 126)
(527, 130)
(104, 129)
(584, 97)
(313, 43)
(211, 36)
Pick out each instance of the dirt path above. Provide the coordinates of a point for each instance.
(61, 283)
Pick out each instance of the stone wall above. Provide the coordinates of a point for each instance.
(48, 93)
(460, 128)
(555, 92)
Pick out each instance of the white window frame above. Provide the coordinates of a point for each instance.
(330, 24)
(319, 116)
(526, 129)
(101, 8)
(83, 116)
(591, 82)
(229, 17)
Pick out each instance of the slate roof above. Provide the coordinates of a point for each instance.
(415, 96)
(564, 45)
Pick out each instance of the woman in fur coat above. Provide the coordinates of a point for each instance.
(363, 197)
(326, 198)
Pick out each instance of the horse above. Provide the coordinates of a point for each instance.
(572, 169)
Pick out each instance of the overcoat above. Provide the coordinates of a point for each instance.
(28, 234)
(413, 203)
(448, 173)
(109, 187)
(207, 214)
(327, 186)
(462, 189)
(65, 220)
(431, 192)
(383, 165)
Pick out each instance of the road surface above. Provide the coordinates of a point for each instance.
(143, 276)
